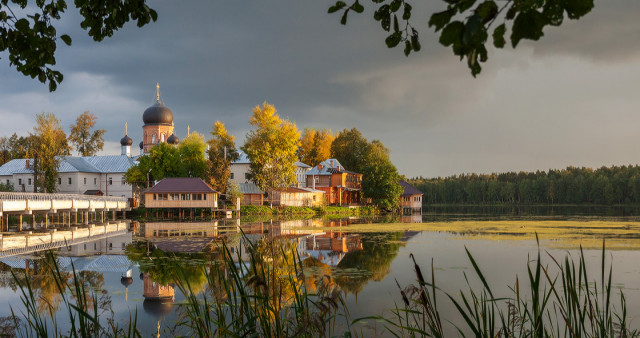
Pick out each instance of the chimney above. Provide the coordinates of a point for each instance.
(26, 165)
(320, 166)
(332, 164)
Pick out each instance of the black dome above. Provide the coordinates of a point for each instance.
(141, 145)
(126, 281)
(157, 114)
(126, 141)
(173, 139)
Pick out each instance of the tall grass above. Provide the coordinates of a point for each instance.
(558, 299)
(260, 297)
(266, 294)
(80, 309)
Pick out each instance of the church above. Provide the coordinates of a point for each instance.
(102, 174)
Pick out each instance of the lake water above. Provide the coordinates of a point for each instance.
(366, 261)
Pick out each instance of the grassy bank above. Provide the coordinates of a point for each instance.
(254, 210)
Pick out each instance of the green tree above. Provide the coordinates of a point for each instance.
(272, 148)
(49, 144)
(29, 35)
(191, 151)
(380, 178)
(86, 141)
(163, 160)
(222, 151)
(350, 149)
(465, 25)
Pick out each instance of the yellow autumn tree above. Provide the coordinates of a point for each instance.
(315, 145)
(271, 148)
(222, 151)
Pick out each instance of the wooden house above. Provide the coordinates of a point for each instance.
(411, 198)
(182, 192)
(297, 197)
(251, 194)
(341, 187)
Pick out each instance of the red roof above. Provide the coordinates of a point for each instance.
(181, 184)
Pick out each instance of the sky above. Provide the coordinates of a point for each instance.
(570, 99)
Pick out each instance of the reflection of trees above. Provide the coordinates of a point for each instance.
(162, 266)
(41, 273)
(376, 257)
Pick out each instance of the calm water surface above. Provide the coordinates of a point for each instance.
(364, 265)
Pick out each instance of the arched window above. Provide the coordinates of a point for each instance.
(153, 138)
(162, 138)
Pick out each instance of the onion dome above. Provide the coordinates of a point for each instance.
(141, 145)
(126, 141)
(158, 113)
(126, 281)
(173, 139)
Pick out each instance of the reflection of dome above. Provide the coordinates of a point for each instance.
(126, 141)
(126, 281)
(156, 307)
(173, 139)
(157, 114)
(141, 145)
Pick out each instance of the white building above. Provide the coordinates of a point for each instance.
(240, 170)
(76, 175)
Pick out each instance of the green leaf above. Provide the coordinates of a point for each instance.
(344, 17)
(396, 26)
(22, 25)
(473, 30)
(394, 6)
(386, 22)
(338, 6)
(452, 33)
(527, 25)
(463, 5)
(415, 42)
(66, 38)
(487, 10)
(357, 7)
(498, 36)
(578, 8)
(407, 48)
(407, 12)
(440, 19)
(393, 39)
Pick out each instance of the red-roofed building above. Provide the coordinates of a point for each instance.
(181, 192)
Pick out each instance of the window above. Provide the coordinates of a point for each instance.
(95, 181)
(205, 197)
(84, 180)
(7, 182)
(59, 181)
(154, 197)
(231, 175)
(246, 176)
(122, 181)
(317, 179)
(95, 247)
(29, 182)
(110, 181)
(153, 138)
(110, 246)
(85, 246)
(123, 245)
(162, 137)
(69, 180)
(20, 181)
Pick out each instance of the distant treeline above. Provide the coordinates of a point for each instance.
(607, 185)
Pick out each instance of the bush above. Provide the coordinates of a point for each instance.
(255, 210)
